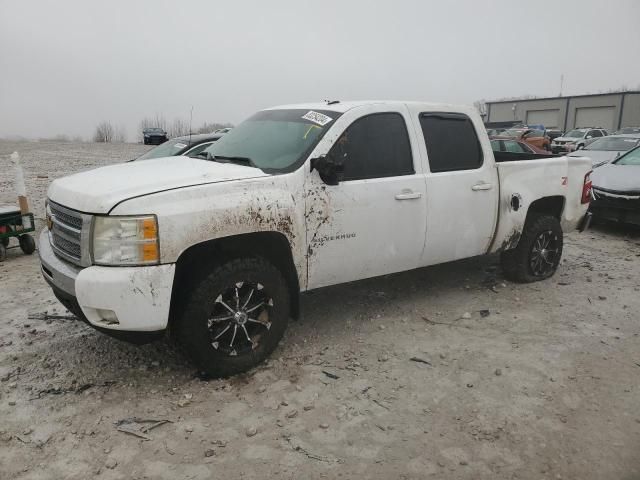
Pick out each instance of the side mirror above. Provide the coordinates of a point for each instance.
(588, 136)
(329, 167)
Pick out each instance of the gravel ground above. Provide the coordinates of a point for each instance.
(442, 372)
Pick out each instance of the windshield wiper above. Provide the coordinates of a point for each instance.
(237, 160)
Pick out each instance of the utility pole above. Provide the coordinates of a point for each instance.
(561, 83)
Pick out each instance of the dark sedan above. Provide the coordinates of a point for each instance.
(189, 145)
(616, 189)
(154, 136)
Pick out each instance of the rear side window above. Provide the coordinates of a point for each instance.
(375, 146)
(452, 143)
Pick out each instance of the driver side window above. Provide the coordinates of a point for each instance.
(375, 146)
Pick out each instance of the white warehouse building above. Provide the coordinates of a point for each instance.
(610, 111)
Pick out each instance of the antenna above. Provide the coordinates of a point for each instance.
(561, 82)
(190, 121)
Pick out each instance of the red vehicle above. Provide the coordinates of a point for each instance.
(534, 137)
(507, 144)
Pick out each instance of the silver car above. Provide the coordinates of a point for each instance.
(606, 149)
(576, 139)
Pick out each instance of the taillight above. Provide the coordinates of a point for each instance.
(586, 188)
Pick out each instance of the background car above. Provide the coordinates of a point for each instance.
(627, 131)
(554, 133)
(616, 189)
(499, 144)
(605, 149)
(533, 137)
(188, 145)
(154, 136)
(576, 139)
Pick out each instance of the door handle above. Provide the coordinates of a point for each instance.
(407, 194)
(481, 186)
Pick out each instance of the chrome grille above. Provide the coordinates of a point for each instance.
(67, 246)
(67, 232)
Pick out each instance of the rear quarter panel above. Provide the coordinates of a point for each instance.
(530, 180)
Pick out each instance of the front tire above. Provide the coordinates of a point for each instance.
(538, 253)
(234, 317)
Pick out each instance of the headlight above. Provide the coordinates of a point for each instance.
(125, 240)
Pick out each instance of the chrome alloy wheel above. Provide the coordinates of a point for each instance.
(544, 255)
(240, 318)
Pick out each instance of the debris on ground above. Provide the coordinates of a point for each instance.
(45, 317)
(139, 427)
(420, 360)
(295, 444)
(330, 375)
(74, 389)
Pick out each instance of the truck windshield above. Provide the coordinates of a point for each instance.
(275, 141)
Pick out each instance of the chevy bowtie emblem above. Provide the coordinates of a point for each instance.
(49, 222)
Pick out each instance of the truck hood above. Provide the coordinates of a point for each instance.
(567, 139)
(99, 190)
(618, 178)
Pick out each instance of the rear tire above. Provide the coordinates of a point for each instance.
(538, 253)
(234, 317)
(27, 244)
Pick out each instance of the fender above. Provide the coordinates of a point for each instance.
(198, 214)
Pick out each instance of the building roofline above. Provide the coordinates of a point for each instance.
(515, 100)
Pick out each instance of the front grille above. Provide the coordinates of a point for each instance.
(67, 246)
(66, 233)
(603, 199)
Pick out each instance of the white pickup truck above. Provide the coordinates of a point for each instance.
(215, 250)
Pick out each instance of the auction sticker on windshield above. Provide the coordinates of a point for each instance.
(316, 117)
(180, 145)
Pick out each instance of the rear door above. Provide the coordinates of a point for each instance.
(373, 222)
(462, 186)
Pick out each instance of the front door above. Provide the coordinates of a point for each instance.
(373, 222)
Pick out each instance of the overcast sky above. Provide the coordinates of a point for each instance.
(66, 65)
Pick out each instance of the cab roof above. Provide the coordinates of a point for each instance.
(342, 107)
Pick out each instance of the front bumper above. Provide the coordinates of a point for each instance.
(615, 213)
(616, 206)
(563, 148)
(138, 297)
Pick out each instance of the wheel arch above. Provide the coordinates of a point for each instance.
(196, 261)
(552, 205)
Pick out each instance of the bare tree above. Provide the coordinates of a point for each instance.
(120, 135)
(104, 132)
(208, 127)
(178, 128)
